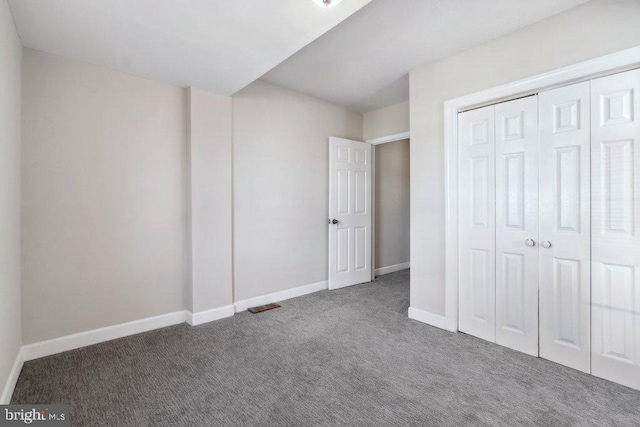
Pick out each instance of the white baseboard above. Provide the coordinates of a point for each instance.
(12, 380)
(280, 296)
(392, 268)
(431, 319)
(201, 317)
(95, 336)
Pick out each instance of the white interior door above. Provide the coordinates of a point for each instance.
(565, 226)
(615, 154)
(476, 136)
(517, 224)
(350, 215)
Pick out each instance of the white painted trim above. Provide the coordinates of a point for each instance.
(374, 243)
(389, 138)
(12, 380)
(195, 319)
(392, 268)
(280, 296)
(95, 336)
(587, 70)
(432, 319)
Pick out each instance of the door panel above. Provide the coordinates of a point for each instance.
(360, 248)
(342, 236)
(350, 205)
(514, 193)
(513, 299)
(516, 222)
(615, 154)
(477, 223)
(565, 273)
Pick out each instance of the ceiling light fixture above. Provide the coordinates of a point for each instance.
(327, 3)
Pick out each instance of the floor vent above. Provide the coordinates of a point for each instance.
(262, 308)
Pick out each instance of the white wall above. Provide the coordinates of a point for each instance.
(392, 204)
(10, 325)
(591, 30)
(386, 121)
(210, 167)
(127, 196)
(104, 215)
(280, 186)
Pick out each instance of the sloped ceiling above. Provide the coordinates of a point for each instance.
(357, 54)
(363, 62)
(217, 45)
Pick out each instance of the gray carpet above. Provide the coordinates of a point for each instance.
(334, 358)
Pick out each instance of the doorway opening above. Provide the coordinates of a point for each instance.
(391, 206)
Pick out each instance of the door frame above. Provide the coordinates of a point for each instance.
(379, 141)
(609, 64)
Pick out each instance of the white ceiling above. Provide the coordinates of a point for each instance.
(224, 45)
(216, 45)
(363, 62)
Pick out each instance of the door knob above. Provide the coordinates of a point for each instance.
(546, 244)
(333, 221)
(530, 242)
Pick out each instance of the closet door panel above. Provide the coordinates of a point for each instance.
(517, 224)
(565, 276)
(476, 144)
(615, 152)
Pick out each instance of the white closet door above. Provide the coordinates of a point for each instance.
(517, 224)
(477, 222)
(565, 228)
(615, 154)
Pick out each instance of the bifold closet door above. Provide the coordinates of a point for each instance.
(517, 224)
(565, 228)
(476, 185)
(615, 153)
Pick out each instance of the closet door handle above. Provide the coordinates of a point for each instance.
(546, 244)
(530, 242)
